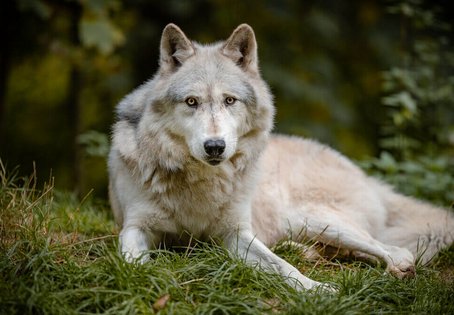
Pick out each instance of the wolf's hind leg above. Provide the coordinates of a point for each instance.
(336, 230)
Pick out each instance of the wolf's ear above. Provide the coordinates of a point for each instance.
(241, 47)
(175, 48)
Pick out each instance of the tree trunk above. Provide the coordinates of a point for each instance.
(8, 16)
(73, 102)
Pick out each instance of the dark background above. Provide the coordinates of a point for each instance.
(65, 65)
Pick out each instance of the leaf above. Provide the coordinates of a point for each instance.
(410, 167)
(387, 162)
(98, 32)
(95, 143)
(402, 99)
(161, 302)
(41, 8)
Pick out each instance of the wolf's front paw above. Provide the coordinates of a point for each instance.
(136, 257)
(304, 283)
(134, 245)
(326, 287)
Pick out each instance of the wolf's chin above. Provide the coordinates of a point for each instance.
(210, 161)
(214, 162)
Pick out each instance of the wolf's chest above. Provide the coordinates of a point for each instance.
(196, 201)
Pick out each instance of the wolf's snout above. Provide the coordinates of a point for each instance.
(214, 148)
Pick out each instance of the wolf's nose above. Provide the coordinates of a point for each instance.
(214, 147)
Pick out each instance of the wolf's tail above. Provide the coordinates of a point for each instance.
(422, 228)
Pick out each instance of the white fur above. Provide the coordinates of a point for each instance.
(163, 186)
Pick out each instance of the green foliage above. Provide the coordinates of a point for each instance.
(418, 135)
(429, 178)
(419, 94)
(59, 255)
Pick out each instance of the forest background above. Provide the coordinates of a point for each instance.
(374, 79)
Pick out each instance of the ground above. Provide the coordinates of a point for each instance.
(59, 255)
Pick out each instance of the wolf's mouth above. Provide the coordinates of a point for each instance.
(214, 161)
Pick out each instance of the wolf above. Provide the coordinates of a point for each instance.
(192, 154)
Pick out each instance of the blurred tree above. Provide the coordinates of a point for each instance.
(73, 96)
(69, 45)
(8, 23)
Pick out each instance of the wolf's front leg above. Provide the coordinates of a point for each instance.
(134, 242)
(247, 247)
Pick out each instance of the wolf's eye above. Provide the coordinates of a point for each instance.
(191, 102)
(229, 100)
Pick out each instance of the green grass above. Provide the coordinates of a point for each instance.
(59, 255)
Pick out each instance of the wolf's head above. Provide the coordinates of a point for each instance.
(207, 102)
